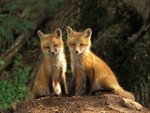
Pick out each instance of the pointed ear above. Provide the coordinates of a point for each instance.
(88, 33)
(70, 31)
(40, 34)
(58, 33)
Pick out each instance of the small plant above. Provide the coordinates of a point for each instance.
(10, 27)
(18, 17)
(15, 88)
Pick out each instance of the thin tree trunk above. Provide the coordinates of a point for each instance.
(67, 15)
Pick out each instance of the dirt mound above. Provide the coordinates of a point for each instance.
(105, 103)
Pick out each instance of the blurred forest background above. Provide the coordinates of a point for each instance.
(121, 37)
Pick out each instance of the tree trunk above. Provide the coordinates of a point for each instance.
(140, 6)
(67, 15)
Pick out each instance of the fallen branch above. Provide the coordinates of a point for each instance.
(6, 58)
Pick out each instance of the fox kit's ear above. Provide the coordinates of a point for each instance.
(69, 31)
(40, 34)
(58, 33)
(88, 33)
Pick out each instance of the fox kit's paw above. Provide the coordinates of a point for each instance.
(57, 88)
(131, 104)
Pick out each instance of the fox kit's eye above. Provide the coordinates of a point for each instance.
(72, 44)
(82, 44)
(55, 45)
(46, 47)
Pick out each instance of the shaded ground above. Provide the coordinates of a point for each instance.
(105, 103)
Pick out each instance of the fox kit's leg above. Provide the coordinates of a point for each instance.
(50, 85)
(80, 82)
(72, 85)
(112, 84)
(40, 91)
(64, 85)
(129, 99)
(56, 87)
(56, 83)
(117, 89)
(60, 86)
(59, 82)
(63, 80)
(89, 82)
(41, 85)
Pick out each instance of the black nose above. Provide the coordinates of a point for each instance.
(52, 53)
(77, 51)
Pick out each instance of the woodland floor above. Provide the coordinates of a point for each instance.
(104, 103)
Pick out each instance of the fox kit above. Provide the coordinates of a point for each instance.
(86, 65)
(51, 77)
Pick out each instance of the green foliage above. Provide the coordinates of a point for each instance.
(15, 88)
(32, 8)
(20, 16)
(10, 26)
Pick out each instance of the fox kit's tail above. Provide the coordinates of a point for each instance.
(120, 91)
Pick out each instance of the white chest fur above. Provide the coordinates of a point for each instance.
(58, 65)
(77, 61)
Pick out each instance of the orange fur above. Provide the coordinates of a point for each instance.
(85, 64)
(51, 75)
(41, 84)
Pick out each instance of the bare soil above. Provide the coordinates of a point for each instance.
(104, 103)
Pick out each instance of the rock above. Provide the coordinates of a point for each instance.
(104, 103)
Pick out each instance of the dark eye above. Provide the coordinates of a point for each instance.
(82, 44)
(55, 45)
(46, 47)
(73, 44)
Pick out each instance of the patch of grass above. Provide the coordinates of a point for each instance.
(15, 88)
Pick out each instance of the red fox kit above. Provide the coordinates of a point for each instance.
(85, 64)
(51, 74)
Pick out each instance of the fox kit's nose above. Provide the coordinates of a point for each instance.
(77, 51)
(52, 53)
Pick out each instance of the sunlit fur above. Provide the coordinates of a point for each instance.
(53, 66)
(85, 64)
(50, 44)
(78, 44)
